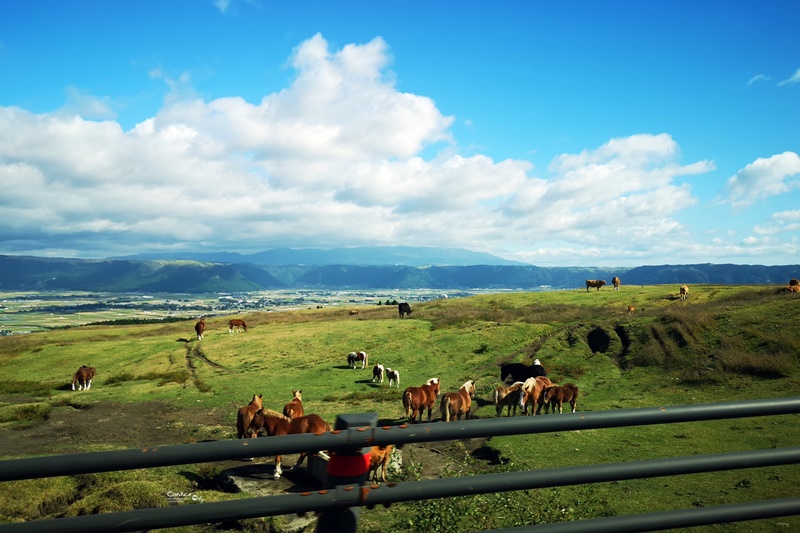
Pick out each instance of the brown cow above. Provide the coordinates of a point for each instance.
(379, 458)
(597, 283)
(684, 292)
(615, 281)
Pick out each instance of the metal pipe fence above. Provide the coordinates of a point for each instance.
(356, 495)
(179, 454)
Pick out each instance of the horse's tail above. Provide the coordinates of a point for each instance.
(407, 403)
(446, 408)
(240, 426)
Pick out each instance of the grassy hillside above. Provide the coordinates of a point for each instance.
(723, 343)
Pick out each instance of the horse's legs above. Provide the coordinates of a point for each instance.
(73, 385)
(300, 460)
(89, 385)
(278, 470)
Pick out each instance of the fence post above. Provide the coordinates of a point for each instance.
(347, 467)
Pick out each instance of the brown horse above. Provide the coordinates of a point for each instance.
(246, 413)
(508, 396)
(294, 408)
(83, 377)
(454, 405)
(415, 399)
(200, 327)
(532, 394)
(556, 396)
(275, 424)
(238, 324)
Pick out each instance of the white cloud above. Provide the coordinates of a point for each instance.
(794, 78)
(758, 77)
(763, 178)
(333, 159)
(222, 5)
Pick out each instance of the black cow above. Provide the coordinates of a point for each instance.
(404, 309)
(520, 372)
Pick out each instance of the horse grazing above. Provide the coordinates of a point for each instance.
(294, 409)
(454, 405)
(83, 377)
(200, 327)
(684, 292)
(556, 396)
(353, 358)
(415, 399)
(377, 373)
(597, 283)
(236, 324)
(507, 396)
(615, 282)
(404, 309)
(393, 376)
(532, 394)
(379, 458)
(246, 413)
(274, 424)
(631, 309)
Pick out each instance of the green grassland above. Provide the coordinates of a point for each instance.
(724, 343)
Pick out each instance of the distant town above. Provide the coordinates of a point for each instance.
(26, 312)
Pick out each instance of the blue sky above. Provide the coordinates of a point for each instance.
(553, 133)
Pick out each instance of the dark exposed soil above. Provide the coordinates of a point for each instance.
(69, 430)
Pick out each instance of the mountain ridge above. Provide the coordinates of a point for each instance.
(18, 273)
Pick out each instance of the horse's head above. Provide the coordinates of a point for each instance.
(258, 399)
(471, 388)
(297, 395)
(546, 394)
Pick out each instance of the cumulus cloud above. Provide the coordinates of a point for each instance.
(333, 159)
(763, 178)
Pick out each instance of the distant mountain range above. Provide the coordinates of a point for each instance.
(239, 273)
(360, 256)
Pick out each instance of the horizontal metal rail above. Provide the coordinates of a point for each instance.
(346, 496)
(678, 518)
(156, 456)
